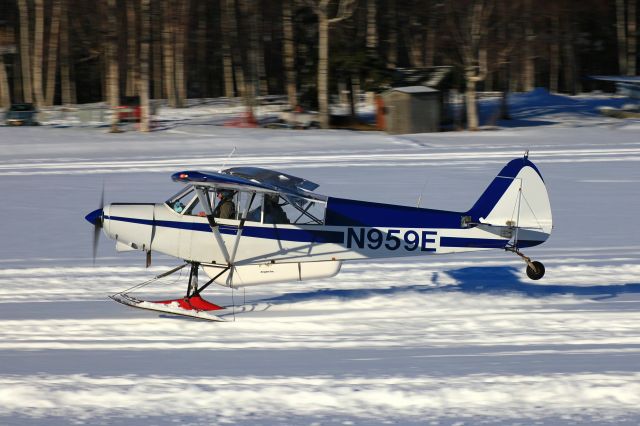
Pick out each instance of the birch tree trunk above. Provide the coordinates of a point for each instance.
(321, 9)
(67, 90)
(392, 46)
(323, 69)
(143, 84)
(238, 68)
(132, 49)
(156, 39)
(372, 29)
(54, 37)
(260, 57)
(622, 37)
(168, 43)
(113, 80)
(38, 49)
(180, 46)
(414, 42)
(632, 37)
(201, 49)
(469, 25)
(25, 55)
(227, 60)
(251, 69)
(289, 53)
(471, 103)
(528, 57)
(5, 94)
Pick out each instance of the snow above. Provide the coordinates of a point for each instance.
(461, 339)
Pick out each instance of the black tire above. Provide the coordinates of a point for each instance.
(535, 274)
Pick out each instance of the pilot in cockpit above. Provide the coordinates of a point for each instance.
(226, 208)
(273, 212)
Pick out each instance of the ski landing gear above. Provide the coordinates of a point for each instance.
(535, 269)
(192, 305)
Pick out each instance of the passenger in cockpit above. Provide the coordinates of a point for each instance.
(273, 212)
(226, 208)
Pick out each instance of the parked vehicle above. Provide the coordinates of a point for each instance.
(21, 115)
(129, 110)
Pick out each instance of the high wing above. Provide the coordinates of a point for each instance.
(618, 78)
(253, 179)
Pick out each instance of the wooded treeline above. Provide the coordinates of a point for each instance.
(77, 51)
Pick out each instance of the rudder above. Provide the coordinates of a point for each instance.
(517, 198)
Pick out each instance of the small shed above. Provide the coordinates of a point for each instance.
(412, 109)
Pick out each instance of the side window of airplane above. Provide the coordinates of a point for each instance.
(181, 200)
(254, 214)
(280, 209)
(196, 209)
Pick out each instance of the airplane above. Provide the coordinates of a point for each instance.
(277, 229)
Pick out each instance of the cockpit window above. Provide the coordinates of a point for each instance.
(281, 209)
(266, 208)
(181, 200)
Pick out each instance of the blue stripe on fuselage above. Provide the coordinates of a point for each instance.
(273, 233)
(310, 236)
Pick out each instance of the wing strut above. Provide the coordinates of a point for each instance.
(203, 196)
(240, 228)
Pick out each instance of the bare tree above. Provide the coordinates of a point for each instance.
(392, 37)
(236, 51)
(289, 53)
(5, 93)
(168, 44)
(132, 49)
(468, 23)
(528, 56)
(181, 28)
(67, 85)
(226, 9)
(251, 73)
(632, 36)
(201, 47)
(321, 9)
(372, 28)
(38, 49)
(156, 43)
(143, 82)
(113, 80)
(52, 56)
(25, 56)
(622, 36)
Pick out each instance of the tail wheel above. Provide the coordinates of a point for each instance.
(535, 270)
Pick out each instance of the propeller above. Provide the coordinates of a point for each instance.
(96, 218)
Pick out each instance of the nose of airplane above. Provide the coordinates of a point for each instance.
(94, 216)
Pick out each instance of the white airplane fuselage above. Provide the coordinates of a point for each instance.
(351, 230)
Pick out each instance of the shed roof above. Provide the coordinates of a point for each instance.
(414, 89)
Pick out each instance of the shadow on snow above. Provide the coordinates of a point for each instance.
(473, 280)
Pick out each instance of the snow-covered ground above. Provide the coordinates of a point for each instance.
(464, 339)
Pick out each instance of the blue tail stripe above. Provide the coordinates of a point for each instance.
(497, 188)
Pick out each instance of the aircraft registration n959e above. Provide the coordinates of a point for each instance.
(246, 226)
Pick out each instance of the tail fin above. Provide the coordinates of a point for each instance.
(517, 198)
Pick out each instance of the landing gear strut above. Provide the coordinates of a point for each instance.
(535, 269)
(192, 305)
